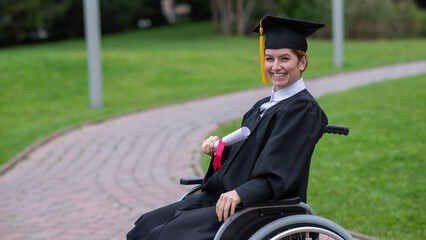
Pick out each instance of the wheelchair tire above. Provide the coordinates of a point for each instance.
(301, 227)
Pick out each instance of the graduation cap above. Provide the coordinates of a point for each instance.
(283, 33)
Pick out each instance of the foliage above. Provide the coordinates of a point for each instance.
(309, 10)
(200, 10)
(118, 15)
(151, 9)
(37, 20)
(236, 16)
(64, 19)
(44, 86)
(382, 19)
(421, 3)
(370, 181)
(29, 21)
(18, 21)
(363, 18)
(421, 15)
(40, 20)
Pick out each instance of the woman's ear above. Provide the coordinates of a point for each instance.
(303, 63)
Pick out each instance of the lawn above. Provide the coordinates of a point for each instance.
(371, 181)
(43, 88)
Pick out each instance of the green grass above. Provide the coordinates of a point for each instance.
(372, 181)
(43, 88)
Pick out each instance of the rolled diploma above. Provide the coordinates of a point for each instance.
(236, 136)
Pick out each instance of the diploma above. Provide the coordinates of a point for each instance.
(234, 137)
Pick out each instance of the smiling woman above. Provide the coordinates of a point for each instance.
(272, 163)
(283, 67)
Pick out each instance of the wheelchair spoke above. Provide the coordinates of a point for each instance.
(301, 227)
(307, 233)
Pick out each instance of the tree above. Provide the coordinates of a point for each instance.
(29, 21)
(232, 16)
(17, 20)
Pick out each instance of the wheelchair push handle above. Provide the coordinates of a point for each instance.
(336, 129)
(191, 180)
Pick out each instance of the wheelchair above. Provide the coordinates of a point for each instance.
(286, 219)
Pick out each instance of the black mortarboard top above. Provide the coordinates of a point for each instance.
(283, 33)
(287, 33)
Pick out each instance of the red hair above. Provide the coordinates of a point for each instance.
(300, 54)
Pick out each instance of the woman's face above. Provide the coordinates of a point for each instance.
(282, 67)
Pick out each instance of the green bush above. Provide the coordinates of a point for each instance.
(119, 15)
(200, 10)
(310, 10)
(64, 19)
(40, 20)
(18, 20)
(381, 19)
(421, 15)
(363, 18)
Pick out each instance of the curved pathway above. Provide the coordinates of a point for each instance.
(94, 181)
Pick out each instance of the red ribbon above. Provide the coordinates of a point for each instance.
(217, 161)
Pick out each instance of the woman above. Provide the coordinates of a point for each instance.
(272, 163)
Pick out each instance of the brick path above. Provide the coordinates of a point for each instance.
(94, 181)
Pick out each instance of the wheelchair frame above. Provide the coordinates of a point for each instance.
(280, 219)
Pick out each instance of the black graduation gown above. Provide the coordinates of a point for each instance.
(273, 162)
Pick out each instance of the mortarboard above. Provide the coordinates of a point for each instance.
(283, 33)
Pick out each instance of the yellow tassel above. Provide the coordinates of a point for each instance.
(262, 55)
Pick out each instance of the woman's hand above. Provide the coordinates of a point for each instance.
(208, 145)
(227, 202)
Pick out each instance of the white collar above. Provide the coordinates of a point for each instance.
(282, 94)
(288, 91)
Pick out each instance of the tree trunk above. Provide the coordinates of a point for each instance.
(215, 15)
(227, 16)
(239, 12)
(230, 16)
(243, 20)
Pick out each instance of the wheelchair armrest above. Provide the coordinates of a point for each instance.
(279, 202)
(336, 129)
(249, 219)
(191, 180)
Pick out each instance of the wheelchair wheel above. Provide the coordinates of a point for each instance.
(301, 227)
